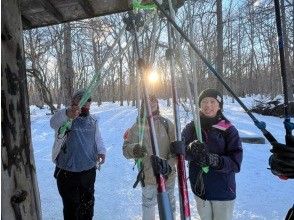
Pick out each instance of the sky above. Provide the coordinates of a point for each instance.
(260, 195)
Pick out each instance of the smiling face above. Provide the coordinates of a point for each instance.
(209, 107)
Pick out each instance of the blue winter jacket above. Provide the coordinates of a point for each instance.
(222, 139)
(82, 145)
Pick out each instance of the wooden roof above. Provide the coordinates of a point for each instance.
(39, 13)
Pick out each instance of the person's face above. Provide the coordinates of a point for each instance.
(153, 104)
(88, 103)
(209, 107)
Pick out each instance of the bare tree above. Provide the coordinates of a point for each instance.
(68, 75)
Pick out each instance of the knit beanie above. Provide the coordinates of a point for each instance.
(78, 94)
(213, 94)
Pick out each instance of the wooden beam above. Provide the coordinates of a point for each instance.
(20, 198)
(49, 12)
(49, 7)
(87, 7)
(26, 23)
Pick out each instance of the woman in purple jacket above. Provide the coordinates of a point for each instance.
(221, 150)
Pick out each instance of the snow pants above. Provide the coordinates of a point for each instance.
(215, 210)
(149, 200)
(77, 192)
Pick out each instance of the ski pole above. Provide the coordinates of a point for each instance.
(164, 206)
(287, 122)
(92, 84)
(183, 189)
(260, 124)
(97, 77)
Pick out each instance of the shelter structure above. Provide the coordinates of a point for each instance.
(20, 194)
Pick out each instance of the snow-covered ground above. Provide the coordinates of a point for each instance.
(260, 195)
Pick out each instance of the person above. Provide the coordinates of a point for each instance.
(76, 162)
(221, 150)
(281, 160)
(132, 149)
(281, 163)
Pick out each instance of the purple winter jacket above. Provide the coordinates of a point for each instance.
(222, 139)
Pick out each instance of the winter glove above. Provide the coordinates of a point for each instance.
(202, 157)
(139, 151)
(178, 148)
(282, 161)
(215, 161)
(160, 166)
(199, 153)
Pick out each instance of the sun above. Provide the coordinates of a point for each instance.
(153, 77)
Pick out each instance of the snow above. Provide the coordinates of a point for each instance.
(260, 195)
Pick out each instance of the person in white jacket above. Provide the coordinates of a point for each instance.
(76, 161)
(132, 149)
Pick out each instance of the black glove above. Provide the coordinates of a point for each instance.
(199, 153)
(139, 151)
(283, 151)
(178, 148)
(282, 160)
(215, 161)
(202, 157)
(160, 166)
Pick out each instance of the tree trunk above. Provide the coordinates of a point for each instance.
(113, 85)
(132, 80)
(252, 35)
(68, 77)
(220, 53)
(19, 193)
(120, 72)
(289, 70)
(59, 56)
(96, 55)
(33, 60)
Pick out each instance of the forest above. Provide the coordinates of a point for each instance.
(238, 38)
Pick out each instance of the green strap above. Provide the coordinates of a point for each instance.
(137, 4)
(141, 132)
(199, 135)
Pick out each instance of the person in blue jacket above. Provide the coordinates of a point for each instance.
(221, 150)
(76, 161)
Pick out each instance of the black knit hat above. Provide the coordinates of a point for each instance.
(79, 94)
(213, 94)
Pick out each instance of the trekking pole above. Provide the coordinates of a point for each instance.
(182, 180)
(93, 83)
(164, 206)
(195, 111)
(260, 124)
(97, 77)
(288, 125)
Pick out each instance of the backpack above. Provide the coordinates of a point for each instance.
(164, 122)
(58, 145)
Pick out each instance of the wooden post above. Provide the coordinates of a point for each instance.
(20, 194)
